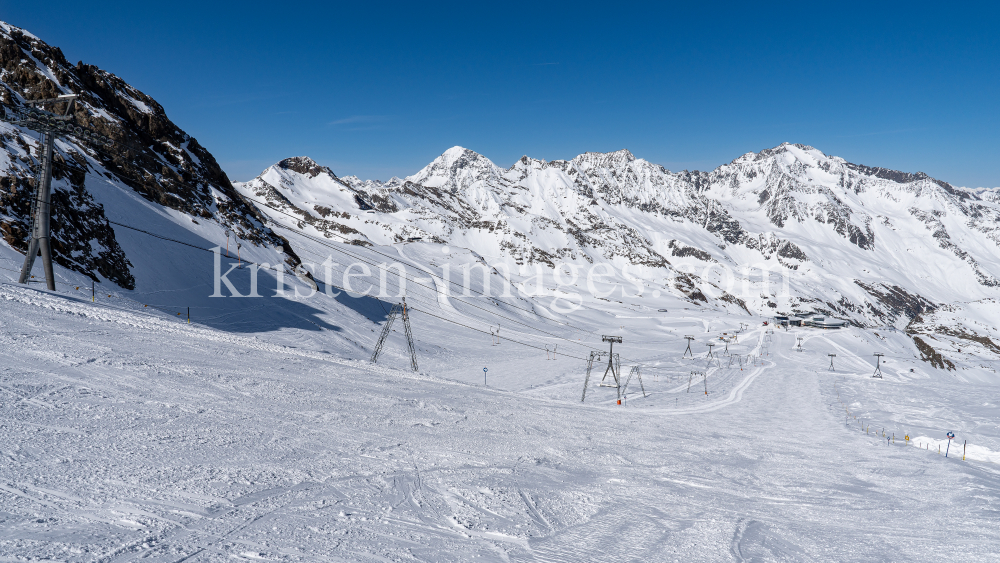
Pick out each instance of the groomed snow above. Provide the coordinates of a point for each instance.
(130, 435)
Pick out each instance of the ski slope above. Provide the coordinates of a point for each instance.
(130, 435)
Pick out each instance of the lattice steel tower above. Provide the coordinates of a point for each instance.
(50, 125)
(399, 309)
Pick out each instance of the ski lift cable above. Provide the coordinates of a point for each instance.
(210, 250)
(383, 307)
(485, 332)
(395, 273)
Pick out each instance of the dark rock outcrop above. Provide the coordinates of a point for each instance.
(151, 155)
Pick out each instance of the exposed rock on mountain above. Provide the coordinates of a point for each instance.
(966, 329)
(837, 238)
(151, 155)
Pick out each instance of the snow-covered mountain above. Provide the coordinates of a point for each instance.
(871, 245)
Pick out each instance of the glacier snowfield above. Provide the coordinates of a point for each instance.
(127, 434)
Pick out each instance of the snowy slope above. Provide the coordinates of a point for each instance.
(130, 436)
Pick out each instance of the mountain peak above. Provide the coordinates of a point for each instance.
(618, 154)
(787, 153)
(461, 155)
(612, 159)
(623, 153)
(795, 149)
(456, 167)
(305, 166)
(456, 152)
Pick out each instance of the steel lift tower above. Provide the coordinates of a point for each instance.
(399, 310)
(614, 365)
(688, 349)
(878, 365)
(50, 125)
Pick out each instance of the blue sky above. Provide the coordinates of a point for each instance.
(380, 89)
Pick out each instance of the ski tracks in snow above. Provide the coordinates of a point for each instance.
(735, 395)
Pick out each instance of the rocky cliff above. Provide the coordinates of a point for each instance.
(150, 155)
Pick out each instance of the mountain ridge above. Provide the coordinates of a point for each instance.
(787, 206)
(873, 245)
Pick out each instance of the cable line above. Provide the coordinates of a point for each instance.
(342, 289)
(169, 239)
(484, 332)
(324, 243)
(434, 289)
